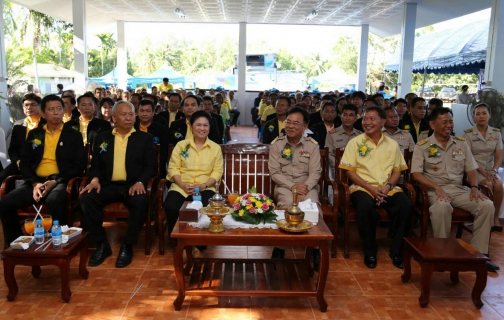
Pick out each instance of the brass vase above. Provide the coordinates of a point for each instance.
(294, 216)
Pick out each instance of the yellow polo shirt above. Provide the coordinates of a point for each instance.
(188, 134)
(120, 144)
(83, 124)
(162, 87)
(417, 128)
(195, 167)
(144, 129)
(66, 119)
(373, 163)
(267, 111)
(172, 118)
(30, 125)
(48, 165)
(281, 125)
(227, 104)
(262, 106)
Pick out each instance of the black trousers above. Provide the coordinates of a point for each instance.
(92, 204)
(236, 114)
(10, 170)
(398, 207)
(21, 198)
(174, 201)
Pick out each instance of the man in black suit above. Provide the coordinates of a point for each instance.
(415, 122)
(159, 133)
(173, 113)
(180, 129)
(316, 117)
(328, 115)
(157, 118)
(208, 107)
(71, 111)
(52, 155)
(123, 161)
(87, 124)
(273, 128)
(31, 108)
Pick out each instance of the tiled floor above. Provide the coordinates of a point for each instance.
(352, 291)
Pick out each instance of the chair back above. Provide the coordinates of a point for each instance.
(246, 166)
(339, 174)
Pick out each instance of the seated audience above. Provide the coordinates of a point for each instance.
(208, 106)
(391, 129)
(329, 113)
(400, 106)
(234, 108)
(106, 105)
(273, 128)
(415, 122)
(173, 113)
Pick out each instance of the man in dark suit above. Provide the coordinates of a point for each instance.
(71, 111)
(52, 155)
(208, 107)
(159, 133)
(173, 113)
(273, 128)
(87, 124)
(123, 161)
(157, 118)
(328, 115)
(180, 129)
(415, 122)
(31, 108)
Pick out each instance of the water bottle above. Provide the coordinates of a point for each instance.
(39, 232)
(56, 234)
(196, 196)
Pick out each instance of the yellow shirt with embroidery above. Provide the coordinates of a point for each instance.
(48, 164)
(193, 166)
(373, 163)
(262, 106)
(120, 144)
(188, 134)
(162, 87)
(267, 111)
(172, 118)
(83, 124)
(30, 125)
(281, 125)
(417, 129)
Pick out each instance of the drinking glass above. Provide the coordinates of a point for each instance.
(29, 226)
(47, 224)
(232, 197)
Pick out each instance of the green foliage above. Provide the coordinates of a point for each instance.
(255, 218)
(346, 54)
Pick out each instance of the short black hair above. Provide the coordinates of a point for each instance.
(482, 104)
(400, 100)
(107, 100)
(376, 95)
(72, 99)
(437, 102)
(151, 96)
(175, 94)
(381, 113)
(328, 97)
(87, 95)
(145, 102)
(358, 94)
(138, 95)
(59, 86)
(51, 97)
(166, 79)
(282, 97)
(415, 100)
(296, 109)
(197, 98)
(331, 104)
(370, 99)
(389, 108)
(351, 107)
(439, 112)
(200, 114)
(153, 87)
(31, 96)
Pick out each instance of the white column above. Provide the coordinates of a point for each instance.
(80, 45)
(494, 69)
(240, 94)
(4, 112)
(407, 49)
(122, 64)
(362, 60)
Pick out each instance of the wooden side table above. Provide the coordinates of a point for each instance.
(36, 259)
(453, 255)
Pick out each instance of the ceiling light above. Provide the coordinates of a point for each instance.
(180, 13)
(312, 15)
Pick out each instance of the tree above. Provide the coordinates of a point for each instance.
(107, 45)
(346, 54)
(286, 61)
(10, 24)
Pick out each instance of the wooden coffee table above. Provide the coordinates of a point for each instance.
(250, 277)
(36, 259)
(449, 254)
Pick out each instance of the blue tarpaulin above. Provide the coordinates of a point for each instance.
(458, 50)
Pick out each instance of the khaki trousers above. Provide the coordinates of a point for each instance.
(441, 215)
(283, 197)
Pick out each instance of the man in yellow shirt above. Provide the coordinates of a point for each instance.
(53, 154)
(123, 161)
(166, 85)
(374, 163)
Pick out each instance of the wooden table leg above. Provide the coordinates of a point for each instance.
(179, 275)
(190, 260)
(83, 272)
(322, 275)
(454, 277)
(36, 271)
(9, 278)
(406, 265)
(307, 259)
(425, 282)
(64, 266)
(479, 285)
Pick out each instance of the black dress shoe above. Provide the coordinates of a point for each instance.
(102, 252)
(492, 267)
(125, 256)
(277, 253)
(496, 229)
(370, 261)
(315, 258)
(396, 260)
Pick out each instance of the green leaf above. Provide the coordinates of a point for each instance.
(252, 190)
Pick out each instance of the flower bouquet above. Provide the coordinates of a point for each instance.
(254, 208)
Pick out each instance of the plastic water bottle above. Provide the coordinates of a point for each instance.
(56, 234)
(196, 196)
(39, 232)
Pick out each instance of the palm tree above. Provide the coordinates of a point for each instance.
(107, 44)
(9, 21)
(315, 65)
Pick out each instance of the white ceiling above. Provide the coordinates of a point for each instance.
(383, 16)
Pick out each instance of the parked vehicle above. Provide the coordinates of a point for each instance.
(448, 94)
(428, 93)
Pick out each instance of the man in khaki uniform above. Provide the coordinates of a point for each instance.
(439, 163)
(294, 161)
(391, 129)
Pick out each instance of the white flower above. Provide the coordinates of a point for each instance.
(260, 210)
(244, 202)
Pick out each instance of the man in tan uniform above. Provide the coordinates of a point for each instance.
(294, 161)
(391, 129)
(439, 163)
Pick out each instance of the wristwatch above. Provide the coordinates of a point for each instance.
(495, 170)
(206, 186)
(477, 187)
(390, 185)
